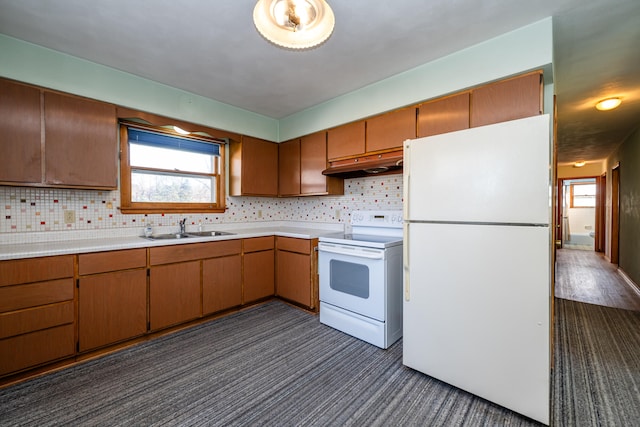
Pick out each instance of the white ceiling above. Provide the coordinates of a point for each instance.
(211, 48)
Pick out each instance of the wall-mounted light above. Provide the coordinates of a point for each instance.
(608, 104)
(294, 24)
(579, 164)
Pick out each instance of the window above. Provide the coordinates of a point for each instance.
(166, 172)
(583, 195)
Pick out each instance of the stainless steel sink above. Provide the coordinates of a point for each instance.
(169, 236)
(174, 236)
(209, 233)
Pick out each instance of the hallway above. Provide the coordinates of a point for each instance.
(586, 276)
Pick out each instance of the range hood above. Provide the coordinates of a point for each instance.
(371, 164)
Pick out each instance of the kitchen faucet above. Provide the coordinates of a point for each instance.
(183, 227)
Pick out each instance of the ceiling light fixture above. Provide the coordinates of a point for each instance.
(294, 24)
(579, 164)
(608, 104)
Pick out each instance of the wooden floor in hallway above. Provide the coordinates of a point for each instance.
(586, 276)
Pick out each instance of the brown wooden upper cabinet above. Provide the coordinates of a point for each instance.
(253, 167)
(20, 144)
(79, 142)
(301, 162)
(289, 168)
(390, 130)
(313, 160)
(444, 115)
(510, 99)
(346, 140)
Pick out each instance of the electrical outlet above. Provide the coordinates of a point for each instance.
(69, 217)
(337, 213)
(259, 214)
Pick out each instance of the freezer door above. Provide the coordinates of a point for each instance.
(497, 173)
(477, 311)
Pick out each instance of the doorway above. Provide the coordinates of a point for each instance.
(578, 218)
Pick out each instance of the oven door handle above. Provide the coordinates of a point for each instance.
(353, 253)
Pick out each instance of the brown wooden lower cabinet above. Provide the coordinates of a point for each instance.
(112, 297)
(221, 283)
(296, 276)
(37, 312)
(125, 294)
(174, 294)
(258, 268)
(112, 307)
(36, 348)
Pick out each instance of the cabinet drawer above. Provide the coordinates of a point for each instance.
(18, 271)
(223, 248)
(258, 244)
(176, 253)
(35, 348)
(111, 261)
(34, 319)
(24, 296)
(291, 244)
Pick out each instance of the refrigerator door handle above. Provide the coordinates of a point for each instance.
(405, 262)
(406, 181)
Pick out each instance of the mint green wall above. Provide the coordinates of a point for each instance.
(34, 64)
(524, 49)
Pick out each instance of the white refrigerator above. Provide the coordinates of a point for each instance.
(477, 262)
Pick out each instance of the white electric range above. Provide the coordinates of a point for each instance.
(361, 278)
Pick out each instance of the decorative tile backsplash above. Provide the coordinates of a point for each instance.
(29, 209)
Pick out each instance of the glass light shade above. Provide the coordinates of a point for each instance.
(294, 24)
(181, 131)
(608, 104)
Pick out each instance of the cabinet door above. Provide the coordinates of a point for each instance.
(174, 294)
(294, 277)
(20, 130)
(259, 275)
(390, 130)
(506, 100)
(112, 307)
(221, 283)
(80, 142)
(346, 140)
(444, 115)
(313, 160)
(289, 168)
(259, 167)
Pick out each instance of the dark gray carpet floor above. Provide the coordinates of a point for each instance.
(277, 365)
(596, 379)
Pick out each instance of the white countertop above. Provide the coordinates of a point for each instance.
(100, 242)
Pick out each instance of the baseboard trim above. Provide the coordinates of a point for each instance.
(629, 281)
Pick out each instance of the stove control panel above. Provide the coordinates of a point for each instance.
(377, 219)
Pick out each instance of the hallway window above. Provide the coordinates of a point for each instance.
(583, 195)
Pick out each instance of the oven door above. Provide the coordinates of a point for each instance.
(353, 278)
